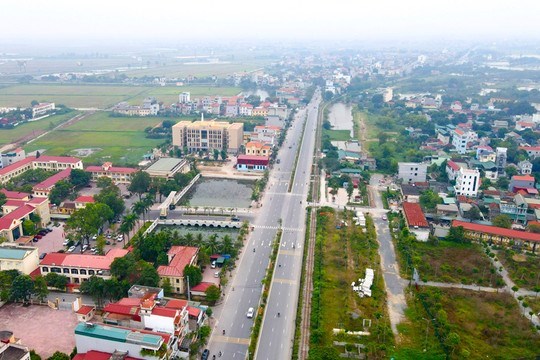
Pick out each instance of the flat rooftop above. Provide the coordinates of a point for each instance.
(119, 334)
(12, 253)
(165, 165)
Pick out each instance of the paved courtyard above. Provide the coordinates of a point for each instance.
(40, 328)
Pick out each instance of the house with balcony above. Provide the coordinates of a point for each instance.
(179, 258)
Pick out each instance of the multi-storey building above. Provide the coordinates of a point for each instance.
(412, 172)
(22, 258)
(461, 139)
(208, 135)
(12, 157)
(42, 109)
(501, 159)
(119, 175)
(179, 258)
(184, 97)
(467, 182)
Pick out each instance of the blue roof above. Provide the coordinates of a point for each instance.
(12, 254)
(118, 334)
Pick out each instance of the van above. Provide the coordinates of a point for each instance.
(213, 264)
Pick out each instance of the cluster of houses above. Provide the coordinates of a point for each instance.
(13, 116)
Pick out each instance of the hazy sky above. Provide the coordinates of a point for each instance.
(283, 19)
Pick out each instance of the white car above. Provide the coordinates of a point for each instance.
(85, 247)
(94, 237)
(250, 313)
(65, 243)
(120, 237)
(384, 217)
(71, 249)
(213, 265)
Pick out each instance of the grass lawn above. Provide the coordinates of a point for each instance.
(376, 124)
(344, 255)
(488, 325)
(524, 270)
(337, 135)
(32, 129)
(100, 96)
(121, 140)
(455, 263)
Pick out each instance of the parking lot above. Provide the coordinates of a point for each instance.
(40, 328)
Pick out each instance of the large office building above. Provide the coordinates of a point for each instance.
(208, 135)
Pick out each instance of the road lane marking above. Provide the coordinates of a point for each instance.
(231, 340)
(285, 281)
(290, 252)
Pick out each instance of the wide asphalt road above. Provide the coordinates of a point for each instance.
(244, 291)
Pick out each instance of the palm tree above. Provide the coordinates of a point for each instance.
(227, 245)
(199, 240)
(141, 207)
(212, 243)
(189, 239)
(128, 224)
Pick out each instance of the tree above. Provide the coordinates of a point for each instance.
(3, 199)
(502, 183)
(473, 214)
(22, 288)
(95, 287)
(79, 178)
(453, 340)
(128, 224)
(429, 200)
(148, 275)
(216, 154)
(40, 288)
(56, 280)
(141, 207)
(111, 196)
(223, 154)
(350, 189)
(87, 221)
(140, 182)
(59, 192)
(212, 294)
(166, 286)
(510, 171)
(456, 234)
(29, 228)
(59, 356)
(194, 274)
(103, 182)
(100, 244)
(503, 221)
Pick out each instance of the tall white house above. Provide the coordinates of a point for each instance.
(184, 97)
(467, 182)
(411, 172)
(461, 139)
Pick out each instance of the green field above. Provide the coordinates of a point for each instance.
(337, 135)
(121, 140)
(32, 129)
(100, 96)
(178, 69)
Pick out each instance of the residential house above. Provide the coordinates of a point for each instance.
(258, 148)
(119, 175)
(467, 182)
(462, 139)
(525, 167)
(525, 182)
(42, 109)
(532, 151)
(416, 220)
(179, 258)
(411, 172)
(83, 200)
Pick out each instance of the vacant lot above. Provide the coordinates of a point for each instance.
(121, 140)
(524, 270)
(455, 263)
(99, 96)
(40, 328)
(473, 325)
(32, 129)
(179, 69)
(344, 255)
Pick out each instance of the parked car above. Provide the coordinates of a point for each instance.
(107, 242)
(109, 236)
(384, 217)
(84, 248)
(65, 242)
(35, 239)
(250, 312)
(42, 232)
(42, 256)
(94, 237)
(38, 236)
(235, 218)
(213, 265)
(216, 274)
(71, 249)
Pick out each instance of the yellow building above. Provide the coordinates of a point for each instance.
(259, 111)
(257, 148)
(208, 135)
(15, 257)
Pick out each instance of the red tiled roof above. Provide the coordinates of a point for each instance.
(15, 195)
(414, 214)
(37, 272)
(37, 200)
(15, 203)
(166, 312)
(193, 311)
(183, 256)
(493, 230)
(16, 165)
(51, 181)
(100, 169)
(85, 310)
(530, 148)
(202, 286)
(252, 159)
(102, 262)
(523, 177)
(60, 159)
(85, 199)
(129, 301)
(176, 304)
(115, 308)
(452, 165)
(98, 355)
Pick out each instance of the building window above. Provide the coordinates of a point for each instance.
(74, 271)
(83, 272)
(44, 269)
(66, 271)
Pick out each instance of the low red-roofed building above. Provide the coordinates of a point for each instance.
(15, 214)
(43, 189)
(82, 201)
(80, 267)
(252, 163)
(85, 313)
(179, 258)
(119, 175)
(51, 163)
(99, 355)
(497, 235)
(416, 220)
(16, 195)
(199, 290)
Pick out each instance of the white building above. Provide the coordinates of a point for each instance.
(411, 172)
(525, 167)
(501, 159)
(12, 157)
(22, 258)
(461, 139)
(41, 109)
(184, 97)
(467, 182)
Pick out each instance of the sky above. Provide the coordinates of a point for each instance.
(193, 20)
